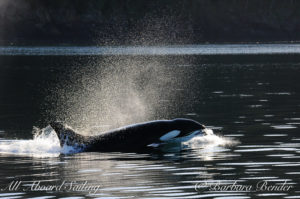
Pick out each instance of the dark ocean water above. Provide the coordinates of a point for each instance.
(252, 97)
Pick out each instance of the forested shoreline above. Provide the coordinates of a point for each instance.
(142, 22)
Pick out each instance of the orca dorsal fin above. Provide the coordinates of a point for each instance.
(68, 136)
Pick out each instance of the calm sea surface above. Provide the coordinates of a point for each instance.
(248, 94)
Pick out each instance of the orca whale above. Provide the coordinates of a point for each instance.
(133, 137)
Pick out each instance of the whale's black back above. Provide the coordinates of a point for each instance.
(130, 138)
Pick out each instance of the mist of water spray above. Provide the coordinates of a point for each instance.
(111, 92)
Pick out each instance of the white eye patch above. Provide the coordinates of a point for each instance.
(169, 135)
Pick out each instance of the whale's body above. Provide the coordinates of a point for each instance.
(131, 138)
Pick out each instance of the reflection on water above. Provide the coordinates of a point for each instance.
(253, 100)
(120, 174)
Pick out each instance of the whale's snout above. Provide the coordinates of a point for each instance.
(202, 127)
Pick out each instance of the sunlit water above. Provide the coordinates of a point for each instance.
(250, 99)
(211, 49)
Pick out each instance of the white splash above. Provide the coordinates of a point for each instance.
(211, 146)
(210, 140)
(45, 143)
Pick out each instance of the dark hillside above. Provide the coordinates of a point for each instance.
(148, 22)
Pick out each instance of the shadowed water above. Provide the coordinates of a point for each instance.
(251, 98)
